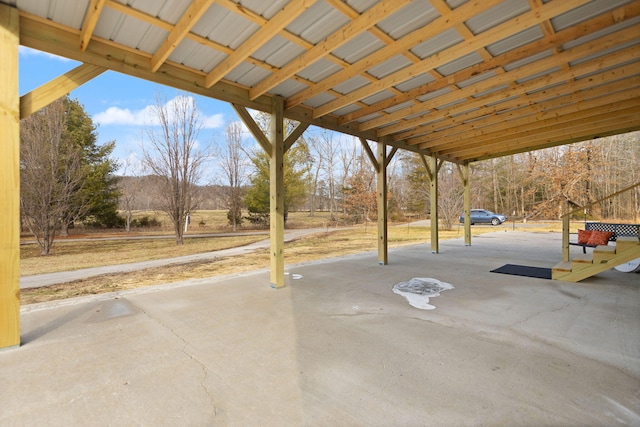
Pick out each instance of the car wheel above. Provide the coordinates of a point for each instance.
(495, 221)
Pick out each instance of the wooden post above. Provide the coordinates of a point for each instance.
(381, 173)
(433, 186)
(464, 173)
(565, 237)
(276, 193)
(9, 180)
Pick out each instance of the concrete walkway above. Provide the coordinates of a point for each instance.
(48, 279)
(338, 348)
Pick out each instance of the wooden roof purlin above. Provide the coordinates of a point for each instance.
(459, 80)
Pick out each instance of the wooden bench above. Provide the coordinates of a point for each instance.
(629, 230)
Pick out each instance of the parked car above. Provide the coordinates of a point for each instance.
(482, 216)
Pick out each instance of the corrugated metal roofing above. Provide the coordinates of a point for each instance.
(412, 70)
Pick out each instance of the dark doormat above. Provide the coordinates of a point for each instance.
(523, 270)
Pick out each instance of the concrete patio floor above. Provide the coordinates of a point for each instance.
(337, 347)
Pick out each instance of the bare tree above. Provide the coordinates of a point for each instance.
(172, 154)
(234, 166)
(52, 173)
(130, 188)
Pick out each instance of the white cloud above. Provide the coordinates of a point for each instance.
(124, 116)
(147, 117)
(214, 122)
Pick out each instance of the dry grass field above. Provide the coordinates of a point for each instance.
(90, 251)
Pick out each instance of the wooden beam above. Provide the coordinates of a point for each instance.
(381, 184)
(502, 115)
(554, 120)
(515, 75)
(580, 129)
(612, 60)
(290, 12)
(9, 179)
(295, 135)
(591, 26)
(90, 21)
(276, 194)
(194, 12)
(466, 184)
(253, 127)
(390, 155)
(41, 34)
(427, 166)
(537, 120)
(405, 43)
(369, 153)
(500, 32)
(56, 88)
(355, 27)
(433, 214)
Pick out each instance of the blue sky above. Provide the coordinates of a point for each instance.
(118, 104)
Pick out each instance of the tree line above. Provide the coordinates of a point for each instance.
(66, 177)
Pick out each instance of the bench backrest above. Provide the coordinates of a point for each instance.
(618, 229)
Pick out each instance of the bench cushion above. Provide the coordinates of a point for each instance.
(583, 236)
(599, 238)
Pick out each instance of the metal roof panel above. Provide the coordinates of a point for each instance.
(278, 52)
(497, 15)
(224, 27)
(584, 12)
(354, 83)
(358, 48)
(515, 41)
(409, 18)
(415, 82)
(319, 70)
(461, 63)
(436, 44)
(247, 74)
(317, 22)
(389, 66)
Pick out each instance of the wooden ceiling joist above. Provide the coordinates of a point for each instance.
(460, 83)
(502, 31)
(290, 12)
(362, 23)
(599, 96)
(404, 44)
(593, 25)
(47, 93)
(190, 17)
(90, 21)
(531, 86)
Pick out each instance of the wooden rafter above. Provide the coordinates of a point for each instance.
(39, 33)
(572, 33)
(90, 21)
(338, 38)
(560, 100)
(454, 118)
(539, 83)
(550, 134)
(253, 127)
(54, 89)
(401, 45)
(555, 126)
(295, 135)
(511, 76)
(499, 32)
(188, 19)
(290, 12)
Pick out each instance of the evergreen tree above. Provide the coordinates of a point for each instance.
(99, 192)
(297, 165)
